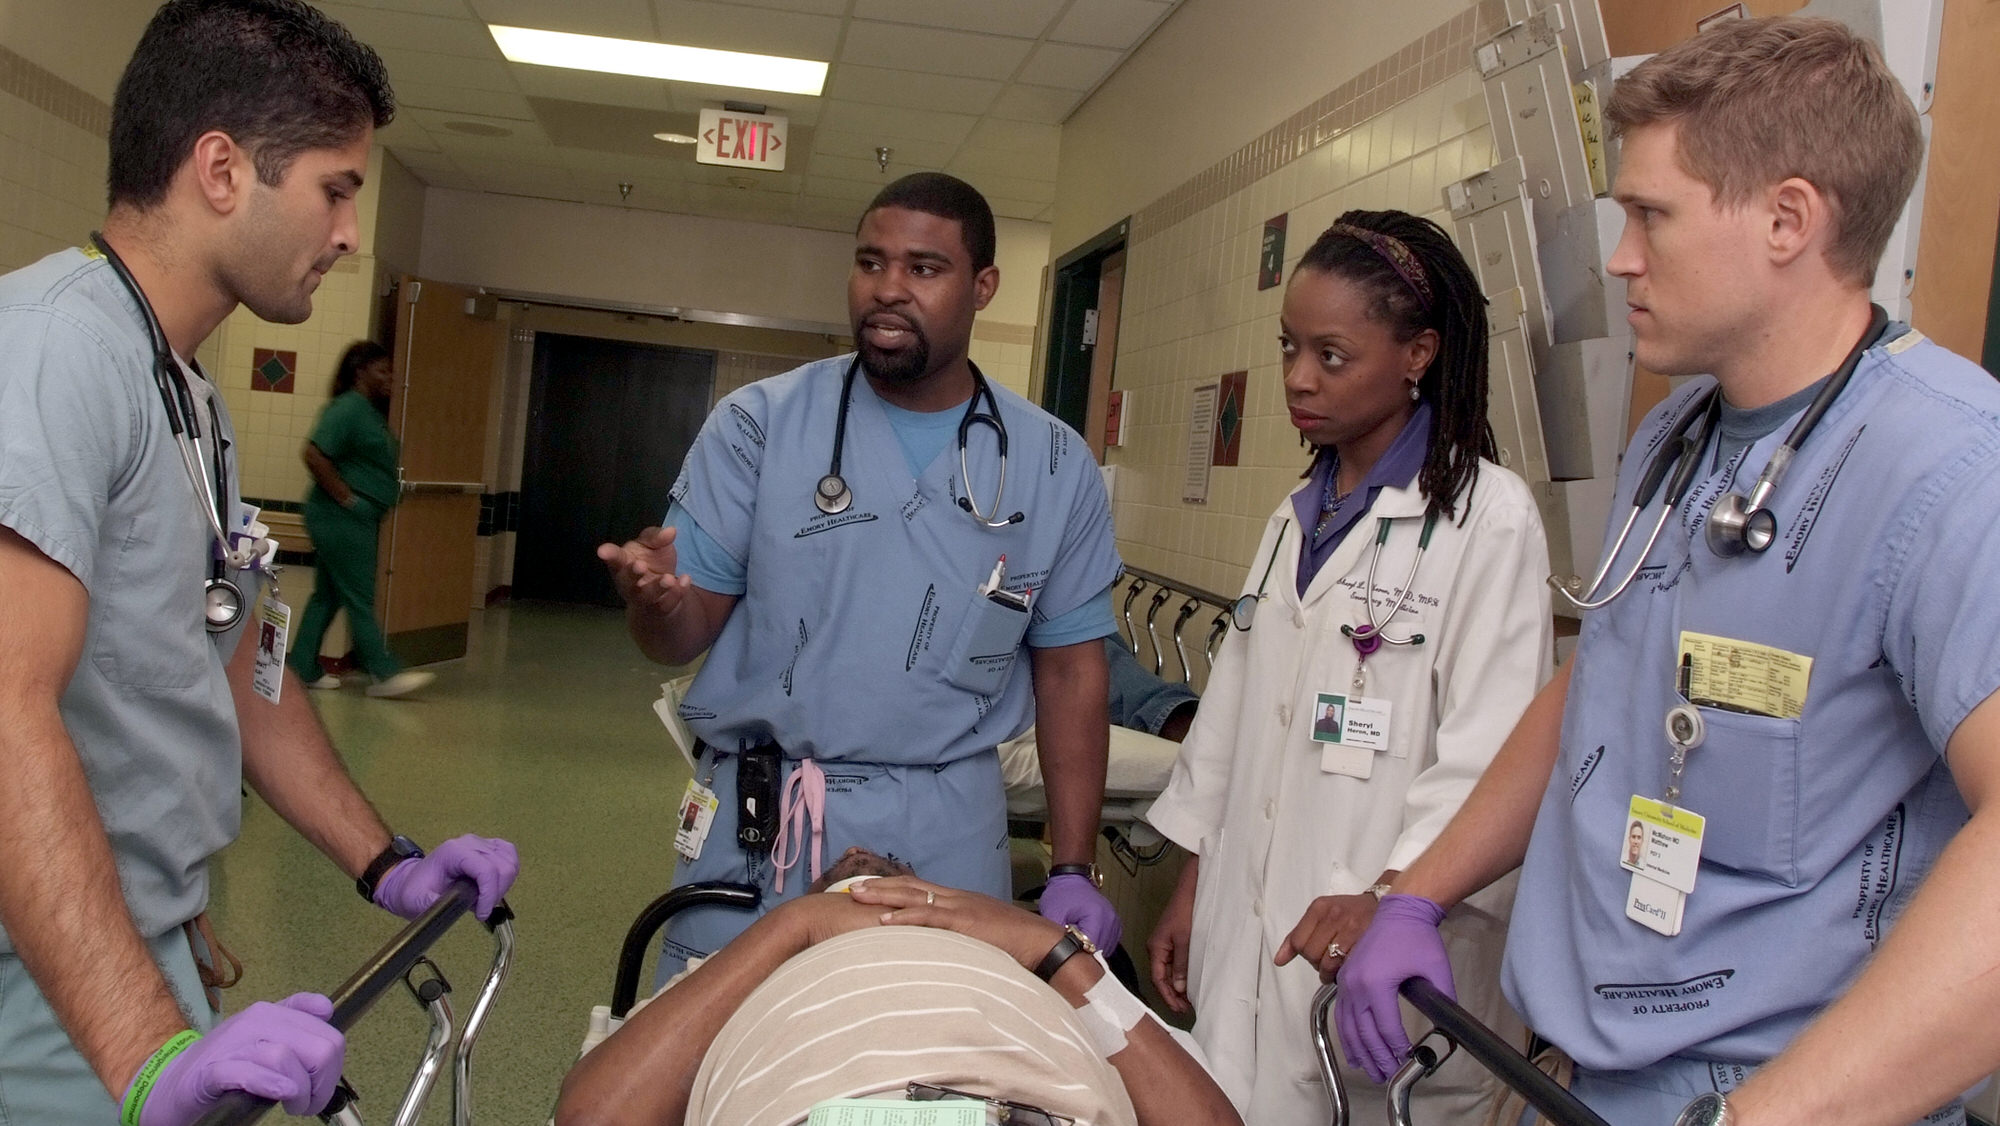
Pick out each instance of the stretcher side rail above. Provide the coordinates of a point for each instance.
(1460, 1029)
(401, 955)
(655, 915)
(1194, 601)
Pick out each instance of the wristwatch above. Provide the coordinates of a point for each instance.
(400, 848)
(1711, 1109)
(1378, 891)
(1072, 943)
(1087, 871)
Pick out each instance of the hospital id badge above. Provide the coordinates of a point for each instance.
(1662, 842)
(274, 627)
(697, 812)
(1654, 905)
(1352, 721)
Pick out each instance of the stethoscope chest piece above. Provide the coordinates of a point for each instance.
(831, 495)
(222, 605)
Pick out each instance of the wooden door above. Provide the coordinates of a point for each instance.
(447, 343)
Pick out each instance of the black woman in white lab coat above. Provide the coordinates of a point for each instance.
(1331, 744)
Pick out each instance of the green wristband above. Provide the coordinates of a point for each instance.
(142, 1083)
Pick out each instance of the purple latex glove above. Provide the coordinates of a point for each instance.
(1072, 900)
(1401, 943)
(412, 886)
(286, 1052)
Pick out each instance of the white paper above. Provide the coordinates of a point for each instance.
(1201, 444)
(884, 1112)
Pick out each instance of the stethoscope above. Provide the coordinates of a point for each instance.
(1735, 523)
(1366, 638)
(1370, 637)
(223, 602)
(833, 497)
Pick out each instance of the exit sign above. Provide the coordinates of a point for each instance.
(742, 140)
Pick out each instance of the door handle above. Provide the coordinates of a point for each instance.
(474, 488)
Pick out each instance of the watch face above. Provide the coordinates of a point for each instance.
(1705, 1110)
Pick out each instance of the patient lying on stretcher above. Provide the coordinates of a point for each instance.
(894, 983)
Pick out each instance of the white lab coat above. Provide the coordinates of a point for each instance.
(1252, 795)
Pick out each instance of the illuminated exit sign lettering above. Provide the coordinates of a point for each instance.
(742, 140)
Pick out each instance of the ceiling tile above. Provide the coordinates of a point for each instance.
(970, 161)
(726, 27)
(691, 97)
(404, 134)
(619, 129)
(473, 127)
(1041, 142)
(888, 122)
(1015, 208)
(1073, 68)
(849, 191)
(424, 163)
(454, 99)
(380, 28)
(877, 86)
(448, 70)
(932, 51)
(1044, 104)
(621, 19)
(859, 146)
(860, 170)
(451, 8)
(817, 7)
(1026, 19)
(1012, 187)
(595, 89)
(1119, 24)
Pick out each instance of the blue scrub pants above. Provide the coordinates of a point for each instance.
(948, 822)
(1655, 1096)
(42, 1077)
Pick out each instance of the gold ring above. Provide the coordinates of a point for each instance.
(1333, 950)
(930, 899)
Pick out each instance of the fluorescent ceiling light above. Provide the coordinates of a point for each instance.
(660, 60)
(675, 138)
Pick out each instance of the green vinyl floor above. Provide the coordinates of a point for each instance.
(544, 734)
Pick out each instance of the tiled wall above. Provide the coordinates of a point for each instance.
(1391, 137)
(52, 157)
(1004, 353)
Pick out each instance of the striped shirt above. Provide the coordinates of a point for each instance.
(874, 1010)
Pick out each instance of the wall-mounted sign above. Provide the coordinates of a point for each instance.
(1115, 406)
(1271, 260)
(1229, 418)
(1201, 445)
(742, 140)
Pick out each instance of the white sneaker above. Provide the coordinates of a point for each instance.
(402, 684)
(326, 681)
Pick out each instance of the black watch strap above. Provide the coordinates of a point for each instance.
(1087, 871)
(400, 848)
(1069, 946)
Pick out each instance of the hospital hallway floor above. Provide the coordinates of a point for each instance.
(544, 735)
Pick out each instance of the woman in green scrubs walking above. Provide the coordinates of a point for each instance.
(352, 457)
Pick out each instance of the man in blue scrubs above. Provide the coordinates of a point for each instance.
(841, 547)
(1813, 944)
(240, 133)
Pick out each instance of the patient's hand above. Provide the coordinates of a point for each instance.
(813, 919)
(1023, 935)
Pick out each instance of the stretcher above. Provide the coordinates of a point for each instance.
(406, 958)
(1453, 1029)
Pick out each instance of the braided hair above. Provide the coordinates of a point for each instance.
(1416, 280)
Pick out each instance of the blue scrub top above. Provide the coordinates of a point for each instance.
(861, 637)
(1821, 827)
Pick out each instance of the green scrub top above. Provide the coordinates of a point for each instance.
(355, 436)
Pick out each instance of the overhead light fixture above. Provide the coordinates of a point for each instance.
(666, 61)
(676, 138)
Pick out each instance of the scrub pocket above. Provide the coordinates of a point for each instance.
(1744, 778)
(982, 658)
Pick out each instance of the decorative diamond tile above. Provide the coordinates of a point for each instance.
(272, 370)
(1228, 448)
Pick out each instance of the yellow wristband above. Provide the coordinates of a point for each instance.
(149, 1074)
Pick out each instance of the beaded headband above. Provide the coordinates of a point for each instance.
(1397, 253)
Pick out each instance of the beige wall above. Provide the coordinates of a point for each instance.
(1191, 310)
(1214, 75)
(52, 156)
